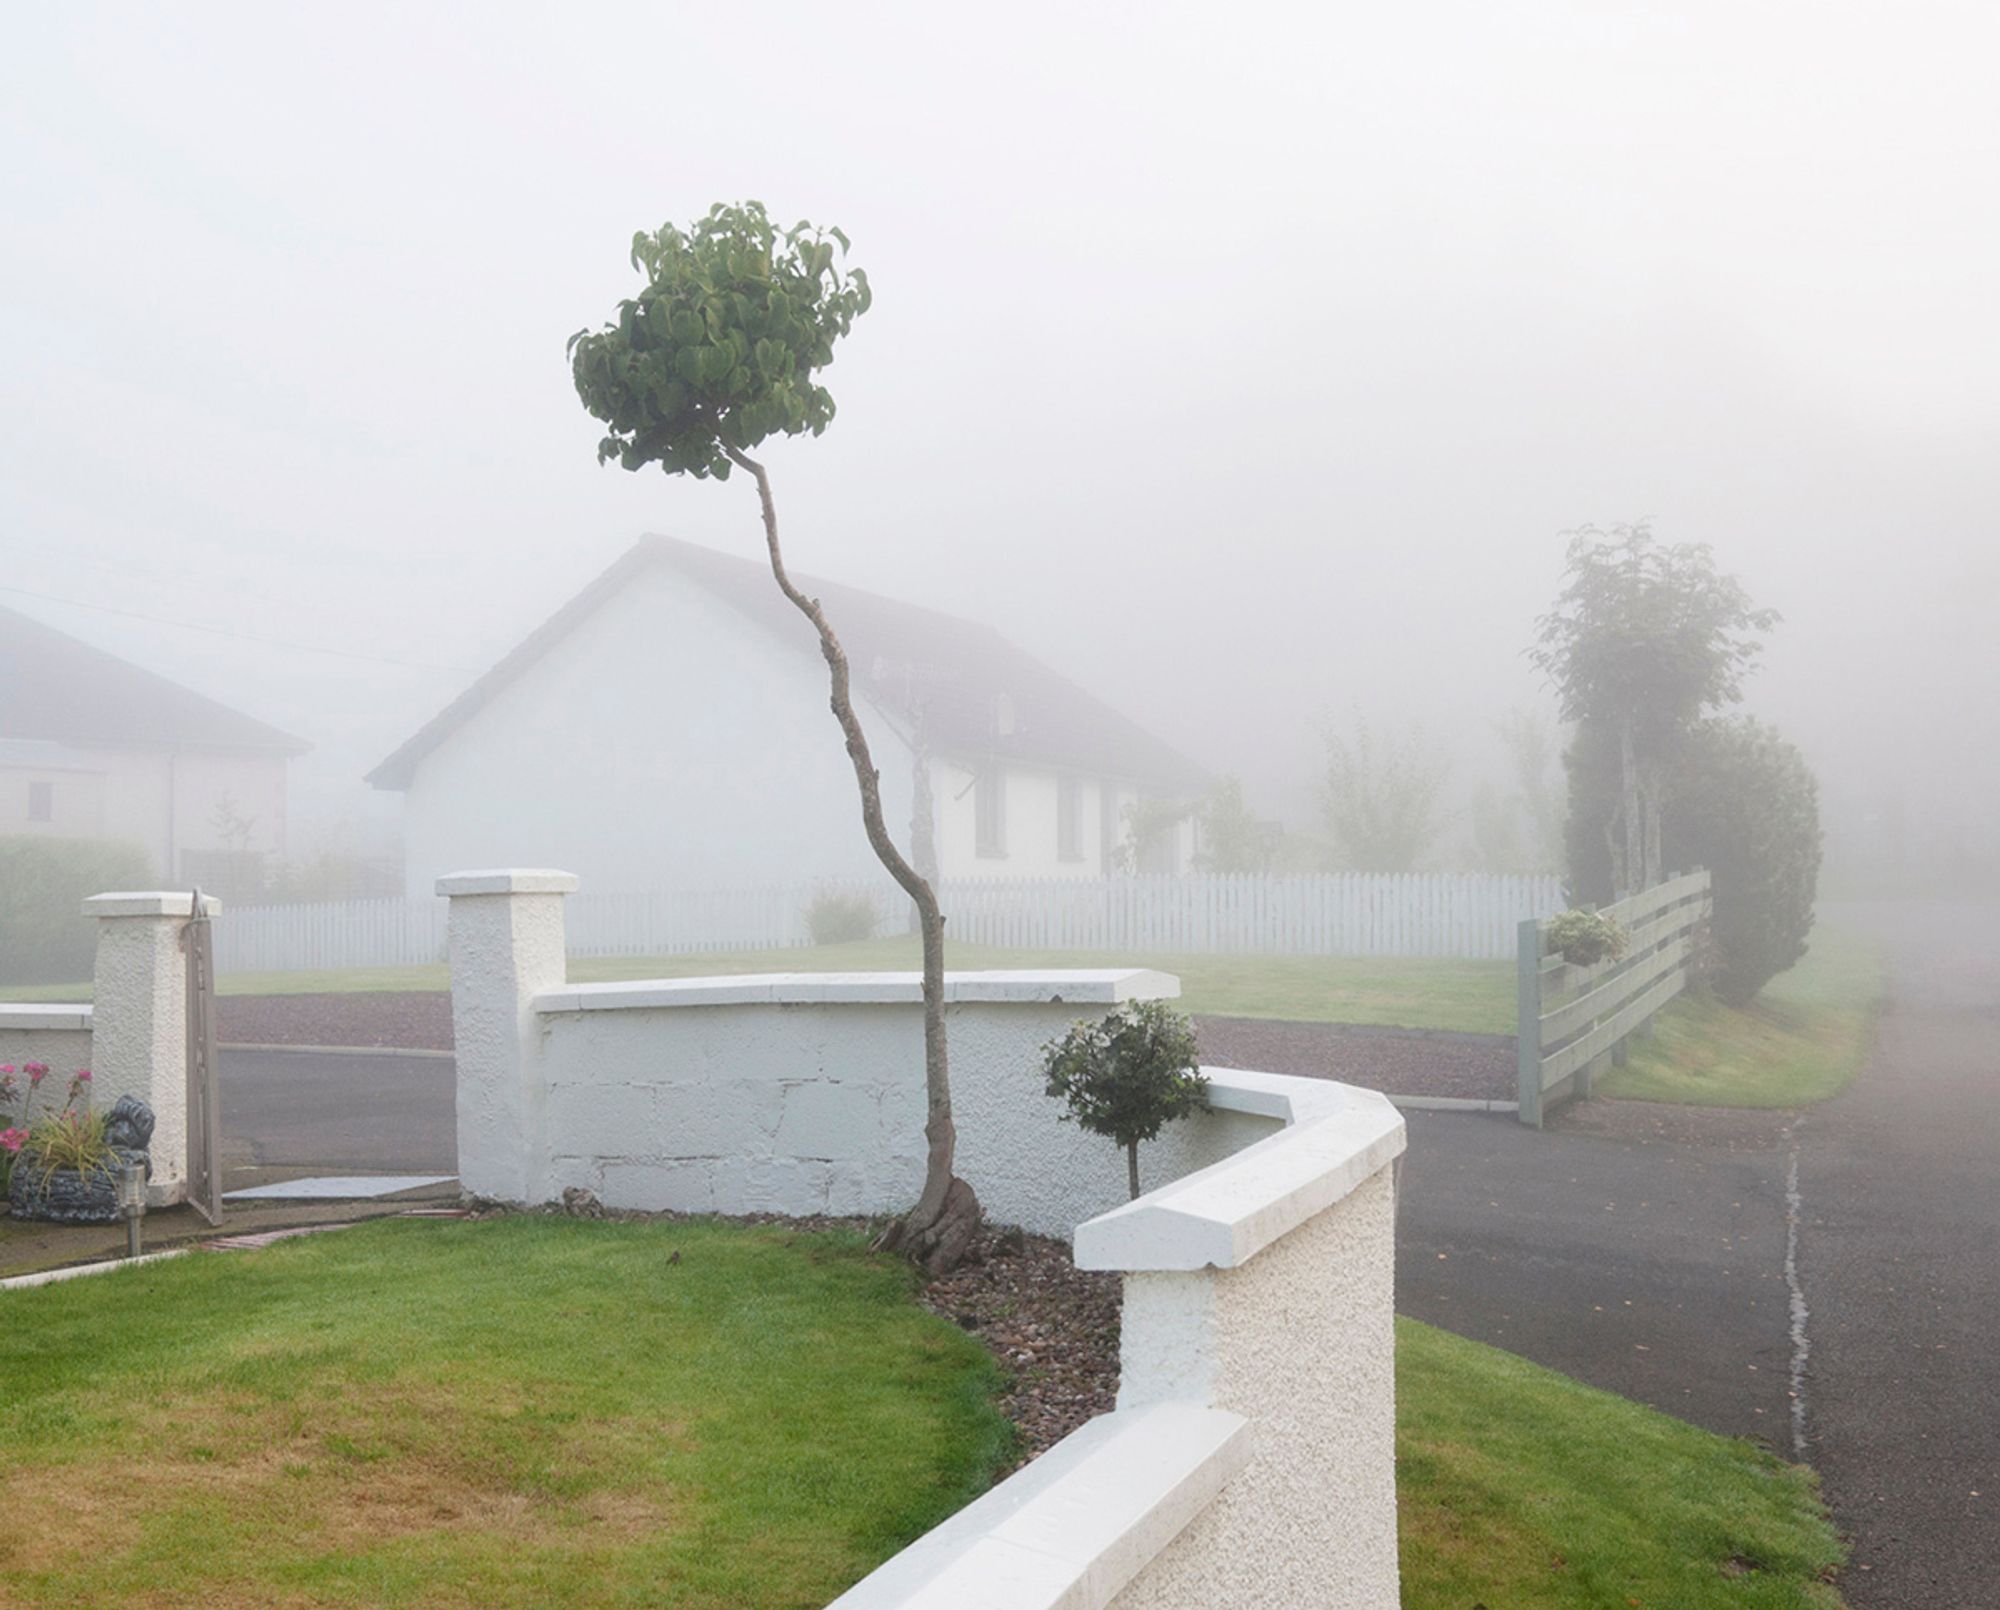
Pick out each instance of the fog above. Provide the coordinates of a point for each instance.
(1246, 364)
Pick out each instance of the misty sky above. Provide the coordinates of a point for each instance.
(1242, 361)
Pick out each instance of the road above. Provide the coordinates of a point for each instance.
(1899, 1251)
(340, 1114)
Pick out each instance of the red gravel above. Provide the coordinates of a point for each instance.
(1403, 1062)
(1409, 1062)
(408, 1020)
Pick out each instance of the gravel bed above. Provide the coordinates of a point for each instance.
(1053, 1326)
(1406, 1062)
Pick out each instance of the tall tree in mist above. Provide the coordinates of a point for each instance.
(714, 355)
(1644, 640)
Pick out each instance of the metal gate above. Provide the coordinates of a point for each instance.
(204, 1096)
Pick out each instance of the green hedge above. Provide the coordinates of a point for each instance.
(44, 936)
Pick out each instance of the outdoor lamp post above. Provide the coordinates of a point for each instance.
(132, 1204)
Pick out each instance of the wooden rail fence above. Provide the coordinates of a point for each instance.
(1573, 1021)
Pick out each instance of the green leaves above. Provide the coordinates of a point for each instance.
(720, 346)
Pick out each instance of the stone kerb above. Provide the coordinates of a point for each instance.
(1251, 1458)
(138, 1042)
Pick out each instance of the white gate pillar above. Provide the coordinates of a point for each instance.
(138, 1032)
(506, 947)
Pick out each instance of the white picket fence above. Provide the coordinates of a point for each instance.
(1444, 914)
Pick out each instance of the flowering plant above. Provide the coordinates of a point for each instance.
(22, 1127)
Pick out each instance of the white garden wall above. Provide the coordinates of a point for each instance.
(57, 1035)
(1251, 1459)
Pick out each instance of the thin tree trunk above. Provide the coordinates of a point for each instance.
(1653, 788)
(1635, 828)
(1132, 1166)
(938, 1230)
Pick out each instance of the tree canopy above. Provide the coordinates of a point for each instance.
(720, 347)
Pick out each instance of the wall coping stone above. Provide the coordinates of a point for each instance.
(39, 1017)
(1068, 1531)
(1335, 1137)
(508, 880)
(149, 903)
(1096, 986)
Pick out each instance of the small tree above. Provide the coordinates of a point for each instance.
(1383, 799)
(1233, 839)
(715, 355)
(1128, 1076)
(1643, 640)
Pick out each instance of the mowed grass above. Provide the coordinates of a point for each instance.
(1476, 997)
(1802, 1040)
(1519, 1489)
(522, 1411)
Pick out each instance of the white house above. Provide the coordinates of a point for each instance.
(93, 747)
(667, 728)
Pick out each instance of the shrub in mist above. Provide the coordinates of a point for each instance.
(44, 936)
(1744, 804)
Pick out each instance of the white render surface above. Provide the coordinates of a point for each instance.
(779, 1093)
(1300, 1340)
(1294, 1342)
(58, 1035)
(1335, 1137)
(505, 949)
(139, 1019)
(1079, 987)
(1073, 1527)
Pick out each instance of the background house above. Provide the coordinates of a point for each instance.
(668, 729)
(93, 747)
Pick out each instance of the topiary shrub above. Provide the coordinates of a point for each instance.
(44, 936)
(1128, 1076)
(1585, 938)
(1745, 805)
(838, 917)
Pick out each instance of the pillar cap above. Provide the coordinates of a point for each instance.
(508, 880)
(149, 903)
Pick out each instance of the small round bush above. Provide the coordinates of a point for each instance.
(1585, 938)
(841, 918)
(1128, 1076)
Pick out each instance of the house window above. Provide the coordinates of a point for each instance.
(1069, 819)
(989, 813)
(41, 802)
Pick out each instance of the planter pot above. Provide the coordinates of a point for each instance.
(64, 1195)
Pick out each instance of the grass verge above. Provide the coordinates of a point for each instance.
(518, 1411)
(1402, 992)
(1803, 1040)
(1518, 1487)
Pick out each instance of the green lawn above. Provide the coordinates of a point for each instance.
(1418, 994)
(1521, 1490)
(528, 1411)
(540, 1411)
(1803, 1040)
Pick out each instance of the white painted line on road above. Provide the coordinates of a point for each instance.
(342, 1187)
(1801, 1348)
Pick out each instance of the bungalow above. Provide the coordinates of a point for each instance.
(667, 728)
(93, 747)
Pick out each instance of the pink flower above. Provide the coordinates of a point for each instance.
(37, 1072)
(83, 1076)
(11, 1139)
(8, 1067)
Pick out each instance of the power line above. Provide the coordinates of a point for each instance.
(247, 637)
